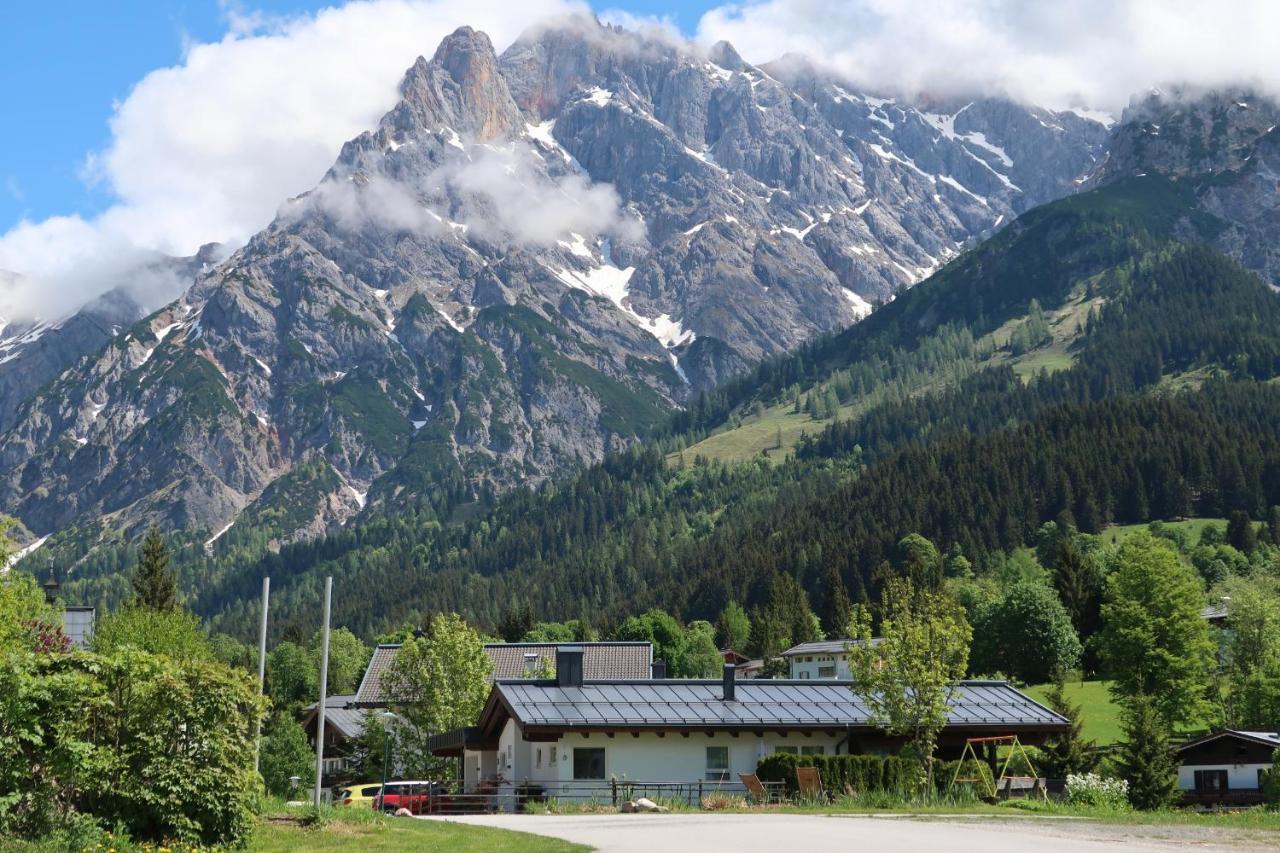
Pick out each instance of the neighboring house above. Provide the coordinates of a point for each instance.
(821, 660)
(77, 625)
(77, 620)
(568, 737)
(744, 666)
(1226, 766)
(1216, 613)
(343, 725)
(601, 660)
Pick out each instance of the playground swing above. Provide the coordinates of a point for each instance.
(1006, 784)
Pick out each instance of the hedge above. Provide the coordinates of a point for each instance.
(857, 774)
(842, 773)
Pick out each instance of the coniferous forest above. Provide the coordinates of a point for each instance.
(1166, 409)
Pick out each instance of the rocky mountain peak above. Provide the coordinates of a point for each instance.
(531, 260)
(724, 55)
(460, 88)
(1181, 132)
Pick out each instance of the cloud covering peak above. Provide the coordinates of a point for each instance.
(207, 150)
(1085, 53)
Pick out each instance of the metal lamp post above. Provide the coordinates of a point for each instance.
(387, 717)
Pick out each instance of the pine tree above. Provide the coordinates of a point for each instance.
(834, 607)
(154, 585)
(1146, 757)
(1241, 534)
(1066, 753)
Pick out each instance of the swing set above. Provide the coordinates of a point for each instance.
(1006, 784)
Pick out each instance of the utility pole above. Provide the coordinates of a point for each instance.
(324, 685)
(262, 671)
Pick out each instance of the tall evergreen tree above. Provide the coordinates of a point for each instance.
(1241, 533)
(1066, 753)
(733, 628)
(834, 608)
(154, 585)
(1146, 757)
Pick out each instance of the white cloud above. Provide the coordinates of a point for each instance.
(1093, 53)
(497, 193)
(207, 150)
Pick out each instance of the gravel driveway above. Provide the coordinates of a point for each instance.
(789, 833)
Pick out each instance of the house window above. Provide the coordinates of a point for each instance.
(717, 764)
(813, 750)
(826, 672)
(553, 755)
(804, 675)
(785, 750)
(538, 760)
(588, 763)
(1211, 781)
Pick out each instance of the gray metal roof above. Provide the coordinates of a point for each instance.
(1263, 738)
(600, 660)
(825, 647)
(762, 703)
(340, 714)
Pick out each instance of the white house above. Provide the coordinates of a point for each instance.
(821, 660)
(572, 738)
(1226, 766)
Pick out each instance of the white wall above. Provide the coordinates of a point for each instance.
(808, 666)
(1239, 776)
(650, 758)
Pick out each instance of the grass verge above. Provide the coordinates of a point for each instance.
(366, 830)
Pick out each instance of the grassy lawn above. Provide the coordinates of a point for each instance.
(1192, 526)
(368, 831)
(1100, 714)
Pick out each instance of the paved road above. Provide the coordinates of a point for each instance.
(784, 833)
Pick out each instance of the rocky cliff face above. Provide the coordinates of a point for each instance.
(35, 352)
(527, 262)
(1223, 147)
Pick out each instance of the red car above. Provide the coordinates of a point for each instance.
(414, 796)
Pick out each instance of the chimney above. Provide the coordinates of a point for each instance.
(658, 669)
(569, 666)
(728, 683)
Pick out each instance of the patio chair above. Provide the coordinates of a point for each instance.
(756, 790)
(809, 781)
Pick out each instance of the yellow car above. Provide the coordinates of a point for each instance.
(358, 795)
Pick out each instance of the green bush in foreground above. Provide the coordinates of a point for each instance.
(159, 748)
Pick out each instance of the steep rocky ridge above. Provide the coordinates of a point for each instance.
(527, 262)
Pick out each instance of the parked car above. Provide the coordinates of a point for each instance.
(359, 795)
(414, 796)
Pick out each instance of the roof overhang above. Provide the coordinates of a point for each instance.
(1248, 737)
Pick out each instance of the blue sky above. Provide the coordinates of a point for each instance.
(63, 63)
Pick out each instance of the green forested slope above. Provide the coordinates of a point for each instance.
(1167, 409)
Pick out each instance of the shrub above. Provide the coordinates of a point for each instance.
(160, 748)
(845, 774)
(719, 802)
(1094, 791)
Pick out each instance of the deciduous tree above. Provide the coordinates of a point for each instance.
(1154, 642)
(435, 684)
(910, 679)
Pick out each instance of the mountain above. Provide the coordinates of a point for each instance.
(34, 352)
(1087, 363)
(1224, 147)
(526, 264)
